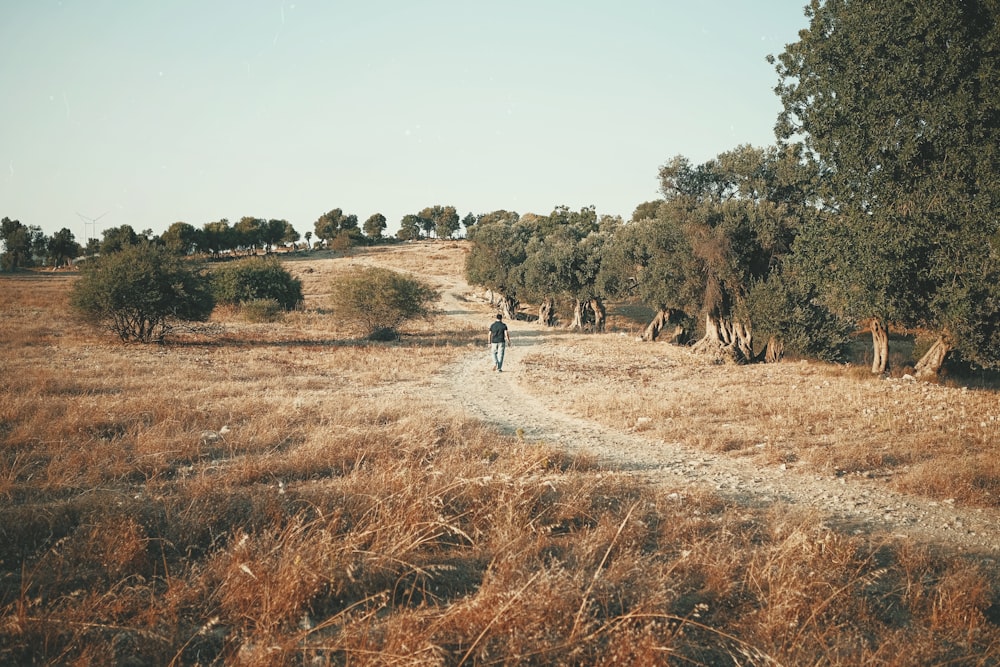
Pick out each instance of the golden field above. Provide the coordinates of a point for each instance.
(286, 494)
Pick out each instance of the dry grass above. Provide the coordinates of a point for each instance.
(281, 494)
(920, 438)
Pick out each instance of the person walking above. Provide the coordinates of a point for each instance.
(499, 340)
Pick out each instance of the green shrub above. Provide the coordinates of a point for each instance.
(379, 301)
(140, 291)
(254, 278)
(261, 310)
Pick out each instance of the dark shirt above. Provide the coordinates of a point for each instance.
(497, 330)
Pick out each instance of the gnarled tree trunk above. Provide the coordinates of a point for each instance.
(880, 345)
(547, 312)
(664, 318)
(725, 338)
(659, 322)
(774, 351)
(577, 323)
(930, 364)
(508, 306)
(600, 313)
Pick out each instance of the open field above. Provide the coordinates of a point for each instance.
(285, 494)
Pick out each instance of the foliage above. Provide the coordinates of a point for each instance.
(442, 220)
(140, 291)
(379, 301)
(374, 226)
(219, 236)
(498, 254)
(409, 228)
(20, 242)
(256, 278)
(900, 104)
(564, 255)
(182, 238)
(792, 313)
(116, 239)
(61, 247)
(332, 223)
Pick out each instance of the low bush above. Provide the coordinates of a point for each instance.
(379, 301)
(140, 292)
(253, 279)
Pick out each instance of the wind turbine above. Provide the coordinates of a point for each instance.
(92, 222)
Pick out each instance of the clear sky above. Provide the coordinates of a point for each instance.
(149, 112)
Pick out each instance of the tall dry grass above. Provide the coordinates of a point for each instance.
(281, 494)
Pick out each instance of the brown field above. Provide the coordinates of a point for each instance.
(284, 494)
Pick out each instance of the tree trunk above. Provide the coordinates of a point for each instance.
(600, 313)
(547, 312)
(774, 351)
(880, 345)
(577, 323)
(742, 341)
(653, 328)
(508, 306)
(930, 364)
(664, 317)
(713, 342)
(726, 339)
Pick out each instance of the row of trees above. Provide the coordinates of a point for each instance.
(877, 206)
(26, 246)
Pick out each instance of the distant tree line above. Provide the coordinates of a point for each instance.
(26, 246)
(877, 207)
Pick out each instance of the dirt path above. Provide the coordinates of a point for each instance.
(856, 505)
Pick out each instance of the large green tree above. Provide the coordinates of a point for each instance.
(219, 236)
(62, 247)
(182, 238)
(333, 223)
(249, 233)
(900, 103)
(563, 259)
(442, 220)
(374, 226)
(409, 228)
(496, 258)
(19, 241)
(116, 239)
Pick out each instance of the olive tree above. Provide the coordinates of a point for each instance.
(141, 291)
(900, 103)
(496, 258)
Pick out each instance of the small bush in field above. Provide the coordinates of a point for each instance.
(253, 279)
(140, 291)
(379, 301)
(261, 310)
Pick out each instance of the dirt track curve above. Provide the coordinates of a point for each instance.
(858, 505)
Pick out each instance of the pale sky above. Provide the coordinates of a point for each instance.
(151, 112)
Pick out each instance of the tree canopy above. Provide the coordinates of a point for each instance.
(899, 102)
